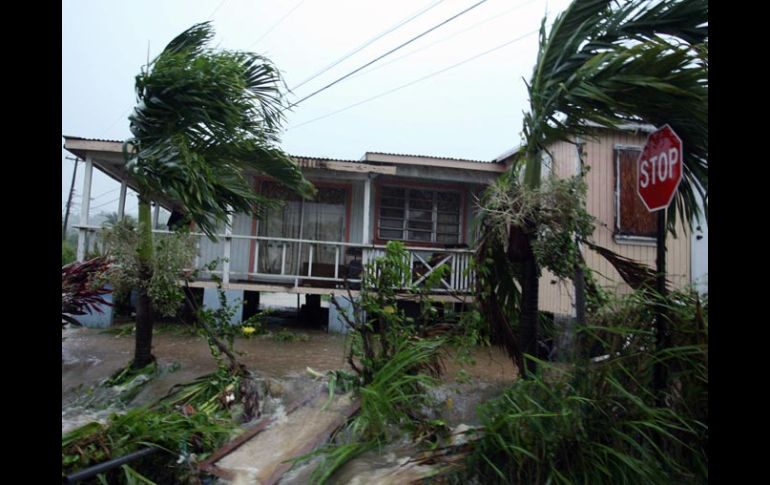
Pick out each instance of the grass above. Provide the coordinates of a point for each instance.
(176, 434)
(285, 335)
(600, 422)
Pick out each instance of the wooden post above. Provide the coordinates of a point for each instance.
(84, 208)
(226, 262)
(69, 198)
(122, 201)
(155, 216)
(367, 197)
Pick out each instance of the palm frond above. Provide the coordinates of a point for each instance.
(205, 121)
(637, 275)
(609, 63)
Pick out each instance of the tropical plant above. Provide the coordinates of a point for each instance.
(172, 255)
(204, 121)
(181, 439)
(391, 404)
(602, 63)
(67, 253)
(379, 325)
(598, 421)
(394, 361)
(82, 288)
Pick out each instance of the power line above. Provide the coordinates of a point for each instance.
(387, 53)
(369, 42)
(106, 203)
(416, 80)
(276, 24)
(211, 15)
(104, 193)
(114, 122)
(443, 39)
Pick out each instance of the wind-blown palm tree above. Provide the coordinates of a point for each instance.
(602, 63)
(204, 119)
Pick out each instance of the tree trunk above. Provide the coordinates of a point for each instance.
(528, 323)
(143, 350)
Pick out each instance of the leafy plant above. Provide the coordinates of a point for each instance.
(189, 437)
(397, 363)
(599, 421)
(172, 254)
(602, 63)
(82, 288)
(204, 119)
(393, 403)
(67, 253)
(380, 326)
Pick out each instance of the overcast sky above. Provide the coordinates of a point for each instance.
(470, 111)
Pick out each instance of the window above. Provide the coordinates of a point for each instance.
(419, 215)
(632, 219)
(320, 219)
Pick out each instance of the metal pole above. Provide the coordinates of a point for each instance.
(69, 198)
(108, 465)
(661, 325)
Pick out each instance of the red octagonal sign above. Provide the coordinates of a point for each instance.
(659, 169)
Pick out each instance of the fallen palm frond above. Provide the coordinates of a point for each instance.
(182, 438)
(634, 273)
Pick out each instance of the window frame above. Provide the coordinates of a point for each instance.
(435, 189)
(619, 236)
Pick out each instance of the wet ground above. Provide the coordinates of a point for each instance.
(91, 355)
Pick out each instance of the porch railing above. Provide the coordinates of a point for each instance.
(298, 265)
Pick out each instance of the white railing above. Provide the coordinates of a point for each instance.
(297, 262)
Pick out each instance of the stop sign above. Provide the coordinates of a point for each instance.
(659, 169)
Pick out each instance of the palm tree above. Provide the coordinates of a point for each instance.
(204, 119)
(602, 63)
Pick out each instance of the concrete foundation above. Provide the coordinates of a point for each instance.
(336, 322)
(96, 319)
(211, 301)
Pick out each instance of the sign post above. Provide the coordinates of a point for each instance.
(658, 176)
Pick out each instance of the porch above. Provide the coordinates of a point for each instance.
(341, 277)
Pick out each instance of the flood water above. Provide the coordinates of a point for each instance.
(91, 355)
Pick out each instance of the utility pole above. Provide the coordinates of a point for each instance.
(69, 198)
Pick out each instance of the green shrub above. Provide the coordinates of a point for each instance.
(178, 436)
(600, 421)
(67, 253)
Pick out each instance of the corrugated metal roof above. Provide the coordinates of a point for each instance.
(310, 160)
(629, 126)
(430, 156)
(507, 153)
(91, 139)
(302, 159)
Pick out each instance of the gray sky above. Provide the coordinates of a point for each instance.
(471, 111)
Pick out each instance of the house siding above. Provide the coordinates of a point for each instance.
(558, 297)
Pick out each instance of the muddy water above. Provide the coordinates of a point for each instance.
(90, 355)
